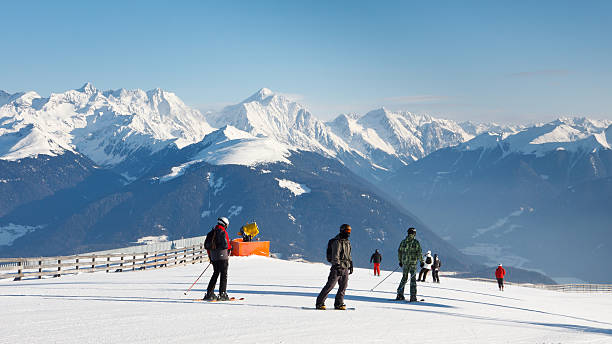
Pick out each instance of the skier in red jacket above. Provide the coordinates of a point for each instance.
(499, 274)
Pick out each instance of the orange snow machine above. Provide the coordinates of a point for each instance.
(245, 246)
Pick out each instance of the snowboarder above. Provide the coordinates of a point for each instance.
(339, 255)
(218, 247)
(499, 274)
(425, 267)
(376, 259)
(435, 269)
(409, 254)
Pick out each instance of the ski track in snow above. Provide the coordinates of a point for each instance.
(149, 307)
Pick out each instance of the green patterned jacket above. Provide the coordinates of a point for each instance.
(409, 252)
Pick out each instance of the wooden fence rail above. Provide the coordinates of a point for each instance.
(576, 288)
(21, 268)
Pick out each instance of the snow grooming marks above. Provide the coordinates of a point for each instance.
(295, 188)
(137, 307)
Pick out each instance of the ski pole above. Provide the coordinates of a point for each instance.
(196, 281)
(385, 278)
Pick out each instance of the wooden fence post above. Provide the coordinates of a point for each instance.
(93, 262)
(144, 263)
(19, 272)
(40, 269)
(77, 264)
(107, 264)
(134, 263)
(59, 268)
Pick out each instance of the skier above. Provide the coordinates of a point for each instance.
(435, 269)
(409, 253)
(339, 255)
(376, 259)
(218, 248)
(425, 267)
(499, 274)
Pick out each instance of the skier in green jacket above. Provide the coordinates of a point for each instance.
(409, 254)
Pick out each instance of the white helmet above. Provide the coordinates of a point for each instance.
(223, 221)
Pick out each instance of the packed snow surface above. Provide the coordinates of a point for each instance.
(149, 307)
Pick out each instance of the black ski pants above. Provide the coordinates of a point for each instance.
(435, 275)
(500, 283)
(423, 274)
(219, 267)
(336, 275)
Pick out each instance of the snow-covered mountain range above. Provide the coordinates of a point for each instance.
(105, 126)
(85, 145)
(108, 127)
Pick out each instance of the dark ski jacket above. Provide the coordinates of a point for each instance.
(437, 264)
(341, 253)
(221, 244)
(376, 258)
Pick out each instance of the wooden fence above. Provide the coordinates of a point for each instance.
(576, 288)
(20, 268)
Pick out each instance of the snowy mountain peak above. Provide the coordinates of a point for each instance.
(107, 127)
(260, 95)
(88, 88)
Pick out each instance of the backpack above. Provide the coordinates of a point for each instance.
(428, 260)
(329, 249)
(210, 243)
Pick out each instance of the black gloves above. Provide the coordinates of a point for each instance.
(401, 266)
(351, 268)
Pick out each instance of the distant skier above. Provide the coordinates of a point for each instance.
(499, 274)
(435, 269)
(376, 259)
(218, 246)
(425, 267)
(409, 254)
(339, 255)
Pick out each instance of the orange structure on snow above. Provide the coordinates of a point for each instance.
(260, 248)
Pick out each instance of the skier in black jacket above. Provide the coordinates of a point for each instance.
(342, 266)
(376, 259)
(435, 269)
(218, 247)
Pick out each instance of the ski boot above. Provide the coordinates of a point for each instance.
(210, 297)
(321, 307)
(223, 297)
(400, 297)
(341, 307)
(413, 299)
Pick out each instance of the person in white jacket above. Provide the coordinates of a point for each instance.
(427, 262)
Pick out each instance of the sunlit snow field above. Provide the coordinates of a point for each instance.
(149, 307)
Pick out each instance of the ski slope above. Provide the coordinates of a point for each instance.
(149, 307)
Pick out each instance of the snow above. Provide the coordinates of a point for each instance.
(11, 232)
(106, 126)
(178, 171)
(149, 307)
(232, 146)
(295, 188)
(152, 239)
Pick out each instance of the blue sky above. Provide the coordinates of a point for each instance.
(504, 61)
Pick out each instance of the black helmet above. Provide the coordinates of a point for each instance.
(411, 230)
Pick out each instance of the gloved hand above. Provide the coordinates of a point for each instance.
(401, 266)
(351, 269)
(229, 252)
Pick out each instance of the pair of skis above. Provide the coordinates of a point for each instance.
(230, 299)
